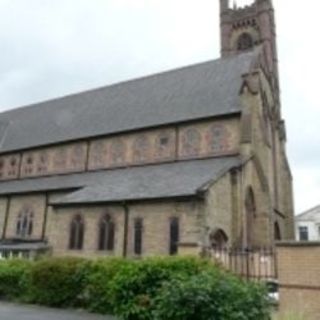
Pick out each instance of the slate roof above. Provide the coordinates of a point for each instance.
(23, 246)
(309, 215)
(173, 180)
(199, 91)
(169, 180)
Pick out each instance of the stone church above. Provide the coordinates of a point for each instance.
(189, 158)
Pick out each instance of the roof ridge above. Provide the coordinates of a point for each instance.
(308, 211)
(123, 82)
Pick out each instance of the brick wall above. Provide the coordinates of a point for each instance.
(299, 278)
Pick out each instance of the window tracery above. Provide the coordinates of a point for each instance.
(28, 168)
(24, 226)
(218, 138)
(140, 148)
(245, 42)
(42, 166)
(163, 144)
(138, 233)
(191, 142)
(76, 233)
(106, 233)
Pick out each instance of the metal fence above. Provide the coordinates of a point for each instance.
(257, 264)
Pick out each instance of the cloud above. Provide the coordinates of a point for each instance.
(52, 48)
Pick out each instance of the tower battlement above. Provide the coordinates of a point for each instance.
(244, 28)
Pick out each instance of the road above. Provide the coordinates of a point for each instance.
(10, 311)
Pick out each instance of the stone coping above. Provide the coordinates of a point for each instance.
(298, 244)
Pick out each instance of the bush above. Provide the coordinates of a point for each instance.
(58, 282)
(211, 295)
(137, 284)
(14, 275)
(157, 288)
(98, 289)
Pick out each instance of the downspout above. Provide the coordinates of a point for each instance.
(125, 232)
(4, 231)
(45, 218)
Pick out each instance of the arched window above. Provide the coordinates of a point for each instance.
(245, 42)
(106, 233)
(250, 206)
(76, 233)
(24, 226)
(138, 230)
(141, 147)
(277, 232)
(191, 142)
(218, 239)
(218, 137)
(174, 236)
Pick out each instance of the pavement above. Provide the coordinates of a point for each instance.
(9, 311)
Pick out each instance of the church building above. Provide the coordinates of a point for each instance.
(186, 159)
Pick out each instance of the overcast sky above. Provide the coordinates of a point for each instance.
(52, 48)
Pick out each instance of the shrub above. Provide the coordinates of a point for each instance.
(58, 282)
(98, 289)
(157, 288)
(213, 295)
(14, 275)
(136, 284)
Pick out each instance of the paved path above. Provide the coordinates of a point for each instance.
(10, 311)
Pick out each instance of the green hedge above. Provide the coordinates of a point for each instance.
(98, 291)
(58, 282)
(14, 278)
(155, 288)
(136, 285)
(211, 296)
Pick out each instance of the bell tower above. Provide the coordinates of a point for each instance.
(244, 28)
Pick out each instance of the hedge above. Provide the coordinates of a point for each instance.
(14, 278)
(155, 288)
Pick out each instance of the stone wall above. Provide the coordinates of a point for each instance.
(197, 140)
(156, 227)
(219, 208)
(58, 229)
(34, 205)
(299, 278)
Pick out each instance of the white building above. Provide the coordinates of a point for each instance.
(307, 225)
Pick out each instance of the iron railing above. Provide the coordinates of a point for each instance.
(252, 264)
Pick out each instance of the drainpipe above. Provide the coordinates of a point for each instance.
(4, 230)
(125, 233)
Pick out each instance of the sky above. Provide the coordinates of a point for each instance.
(53, 48)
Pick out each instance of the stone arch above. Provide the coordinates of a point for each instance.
(76, 236)
(218, 238)
(245, 42)
(251, 213)
(244, 33)
(277, 231)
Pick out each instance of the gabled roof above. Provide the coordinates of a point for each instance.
(199, 91)
(310, 215)
(170, 180)
(180, 179)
